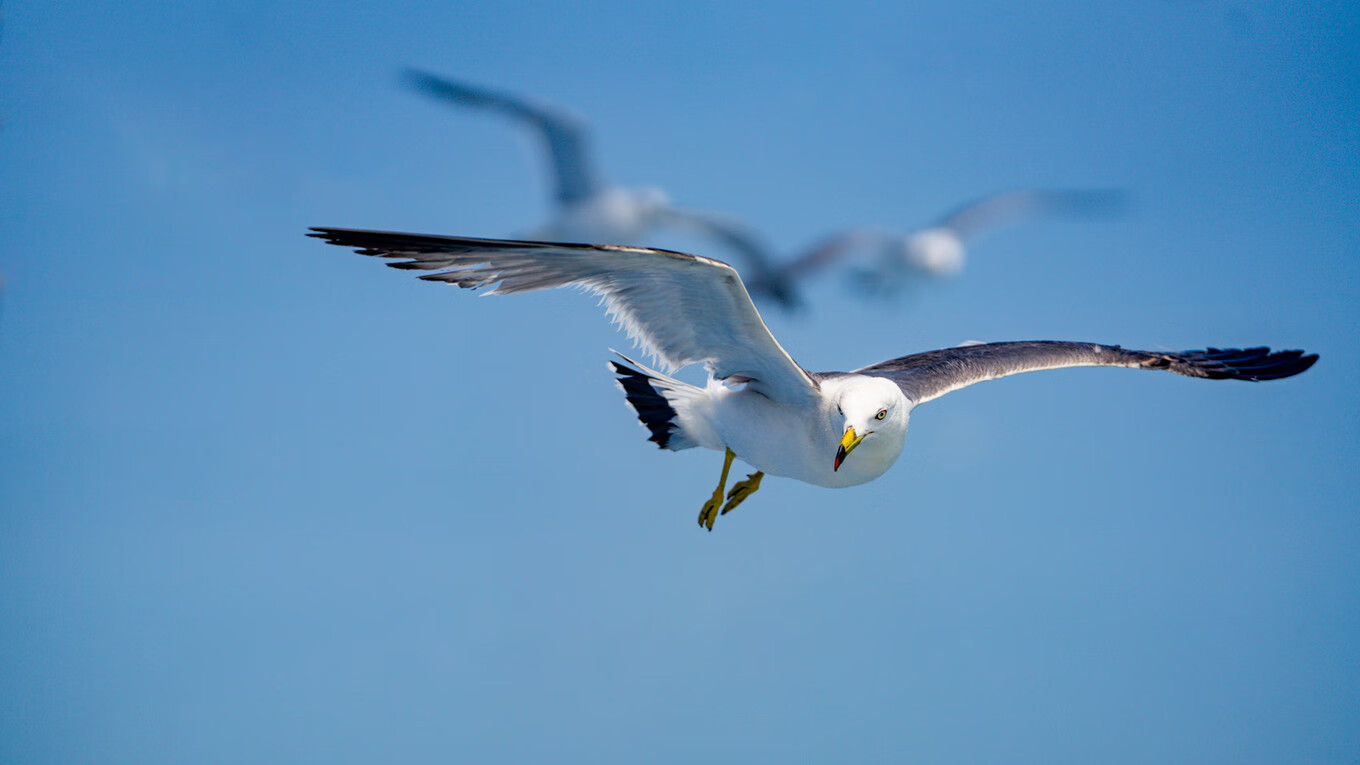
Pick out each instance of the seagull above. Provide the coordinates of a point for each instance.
(938, 250)
(832, 429)
(589, 210)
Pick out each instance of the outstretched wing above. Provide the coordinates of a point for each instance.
(925, 376)
(967, 221)
(1008, 207)
(681, 308)
(762, 276)
(564, 133)
(838, 246)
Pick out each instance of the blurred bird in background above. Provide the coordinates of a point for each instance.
(892, 261)
(591, 211)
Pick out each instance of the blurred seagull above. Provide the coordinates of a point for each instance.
(939, 249)
(589, 210)
(759, 404)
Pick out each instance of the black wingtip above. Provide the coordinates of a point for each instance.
(1249, 364)
(421, 79)
(327, 235)
(434, 86)
(384, 243)
(415, 76)
(1298, 365)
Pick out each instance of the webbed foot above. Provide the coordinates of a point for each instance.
(710, 512)
(741, 490)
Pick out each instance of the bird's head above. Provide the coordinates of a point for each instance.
(650, 199)
(874, 423)
(936, 251)
(631, 212)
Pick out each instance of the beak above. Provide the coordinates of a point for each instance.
(848, 444)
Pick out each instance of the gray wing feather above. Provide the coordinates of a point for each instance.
(980, 216)
(683, 309)
(967, 221)
(839, 246)
(925, 376)
(563, 132)
(762, 276)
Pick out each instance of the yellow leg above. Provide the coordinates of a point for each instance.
(710, 512)
(741, 490)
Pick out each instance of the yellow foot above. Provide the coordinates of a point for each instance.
(710, 512)
(741, 490)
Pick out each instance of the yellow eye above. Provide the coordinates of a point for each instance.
(881, 414)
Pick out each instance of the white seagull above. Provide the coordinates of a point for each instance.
(938, 250)
(759, 404)
(587, 208)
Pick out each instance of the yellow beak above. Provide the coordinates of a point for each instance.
(848, 444)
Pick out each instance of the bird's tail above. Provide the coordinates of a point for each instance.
(659, 402)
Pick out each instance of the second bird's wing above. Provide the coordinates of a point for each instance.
(564, 133)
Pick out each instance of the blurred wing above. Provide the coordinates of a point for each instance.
(979, 217)
(681, 308)
(925, 376)
(762, 277)
(840, 246)
(564, 133)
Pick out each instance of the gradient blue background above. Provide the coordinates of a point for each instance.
(264, 501)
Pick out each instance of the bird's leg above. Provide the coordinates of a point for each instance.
(710, 512)
(741, 490)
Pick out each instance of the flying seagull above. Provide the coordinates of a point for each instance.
(588, 209)
(937, 250)
(832, 429)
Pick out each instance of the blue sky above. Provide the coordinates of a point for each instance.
(261, 500)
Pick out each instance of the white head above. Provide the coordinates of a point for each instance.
(651, 199)
(624, 214)
(937, 251)
(874, 417)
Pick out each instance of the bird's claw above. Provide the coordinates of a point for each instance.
(710, 512)
(741, 490)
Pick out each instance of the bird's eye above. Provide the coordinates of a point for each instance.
(881, 414)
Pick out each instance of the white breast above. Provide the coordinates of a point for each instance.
(795, 442)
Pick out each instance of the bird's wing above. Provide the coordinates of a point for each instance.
(983, 215)
(838, 246)
(564, 133)
(929, 375)
(762, 276)
(681, 308)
